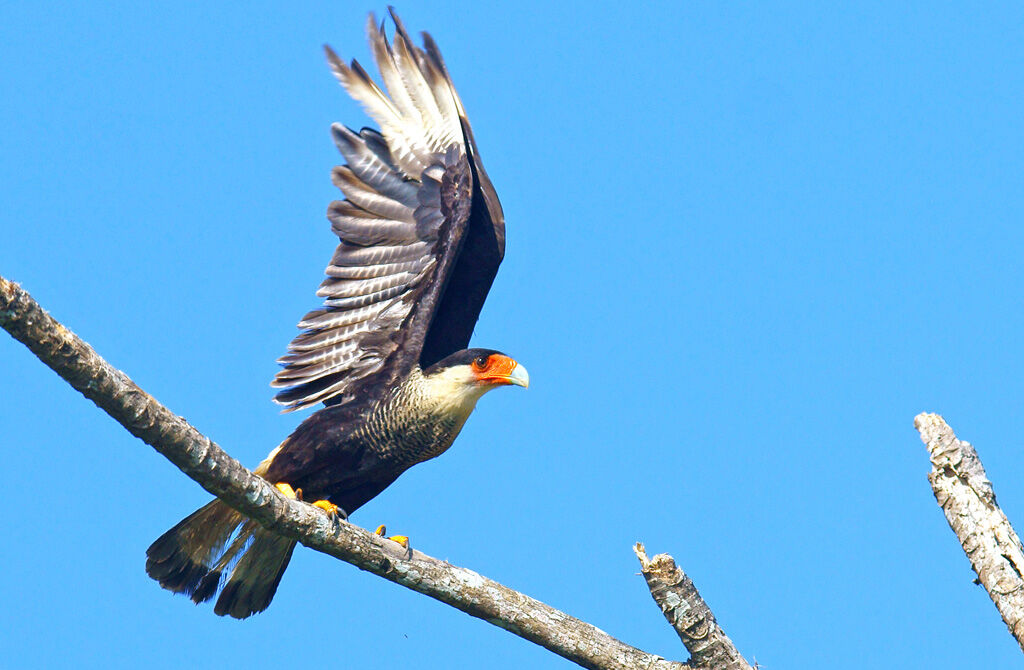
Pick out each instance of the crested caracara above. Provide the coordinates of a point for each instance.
(421, 237)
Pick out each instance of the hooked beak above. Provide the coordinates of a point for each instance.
(519, 376)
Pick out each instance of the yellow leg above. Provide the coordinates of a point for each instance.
(400, 539)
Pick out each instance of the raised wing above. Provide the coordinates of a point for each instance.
(409, 194)
(482, 251)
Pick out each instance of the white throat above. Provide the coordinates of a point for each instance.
(454, 390)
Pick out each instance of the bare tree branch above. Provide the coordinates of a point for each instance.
(687, 612)
(202, 460)
(966, 497)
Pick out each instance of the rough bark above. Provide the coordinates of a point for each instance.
(965, 495)
(220, 474)
(687, 612)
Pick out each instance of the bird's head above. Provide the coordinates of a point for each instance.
(472, 372)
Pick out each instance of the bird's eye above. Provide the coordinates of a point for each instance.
(480, 363)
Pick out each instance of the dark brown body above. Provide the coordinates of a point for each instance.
(347, 455)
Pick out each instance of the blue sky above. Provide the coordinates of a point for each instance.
(746, 245)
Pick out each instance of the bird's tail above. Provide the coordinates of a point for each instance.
(193, 557)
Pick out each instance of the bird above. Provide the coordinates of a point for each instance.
(421, 234)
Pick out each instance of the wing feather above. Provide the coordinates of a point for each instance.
(370, 200)
(363, 154)
(408, 192)
(373, 271)
(364, 300)
(347, 288)
(348, 254)
(307, 359)
(326, 319)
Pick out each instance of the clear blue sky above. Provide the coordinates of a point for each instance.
(746, 245)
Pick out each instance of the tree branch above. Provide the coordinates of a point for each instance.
(687, 612)
(966, 497)
(217, 472)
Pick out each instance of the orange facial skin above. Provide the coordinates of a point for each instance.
(496, 370)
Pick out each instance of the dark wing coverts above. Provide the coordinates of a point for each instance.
(421, 230)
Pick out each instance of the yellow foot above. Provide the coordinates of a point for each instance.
(400, 539)
(287, 491)
(327, 506)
